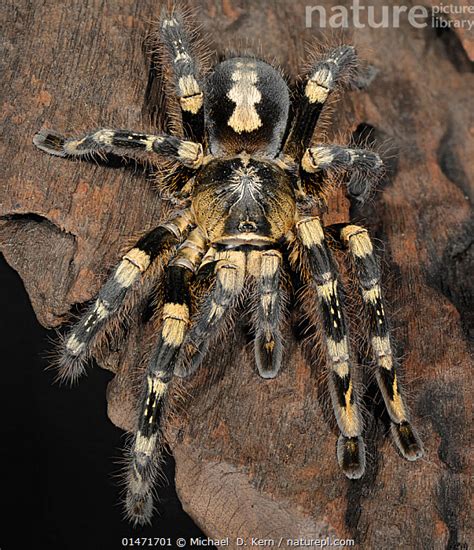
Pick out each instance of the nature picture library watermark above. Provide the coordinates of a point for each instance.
(385, 16)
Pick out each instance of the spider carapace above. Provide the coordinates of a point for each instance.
(248, 171)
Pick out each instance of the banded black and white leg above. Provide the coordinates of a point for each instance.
(178, 43)
(369, 279)
(268, 339)
(322, 79)
(364, 167)
(142, 470)
(78, 343)
(121, 142)
(175, 322)
(320, 264)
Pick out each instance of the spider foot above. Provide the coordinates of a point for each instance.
(360, 187)
(351, 456)
(72, 355)
(139, 508)
(51, 142)
(139, 493)
(268, 354)
(70, 368)
(191, 358)
(407, 440)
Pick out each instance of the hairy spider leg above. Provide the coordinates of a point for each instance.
(121, 142)
(322, 79)
(141, 473)
(368, 273)
(229, 269)
(365, 167)
(268, 339)
(178, 43)
(78, 343)
(350, 448)
(175, 316)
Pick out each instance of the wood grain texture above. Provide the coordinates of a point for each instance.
(256, 458)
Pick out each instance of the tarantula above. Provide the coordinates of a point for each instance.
(246, 177)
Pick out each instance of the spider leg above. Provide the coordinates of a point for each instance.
(121, 142)
(321, 267)
(368, 272)
(175, 316)
(322, 79)
(268, 341)
(142, 470)
(229, 281)
(135, 262)
(186, 74)
(365, 167)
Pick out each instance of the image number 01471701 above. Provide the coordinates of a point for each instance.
(247, 180)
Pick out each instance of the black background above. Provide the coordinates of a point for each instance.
(60, 453)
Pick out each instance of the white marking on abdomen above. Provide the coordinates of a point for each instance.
(245, 95)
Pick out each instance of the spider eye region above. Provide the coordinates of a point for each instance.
(247, 103)
(247, 226)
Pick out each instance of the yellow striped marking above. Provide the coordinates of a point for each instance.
(126, 273)
(192, 104)
(397, 403)
(149, 141)
(358, 240)
(104, 136)
(155, 387)
(216, 312)
(267, 300)
(339, 355)
(371, 295)
(100, 310)
(133, 263)
(270, 264)
(74, 345)
(188, 86)
(314, 157)
(176, 311)
(145, 445)
(190, 153)
(385, 361)
(230, 270)
(348, 415)
(269, 346)
(175, 317)
(315, 92)
(170, 23)
(245, 95)
(381, 345)
(138, 258)
(328, 290)
(348, 395)
(310, 232)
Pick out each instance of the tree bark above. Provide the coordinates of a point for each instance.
(256, 458)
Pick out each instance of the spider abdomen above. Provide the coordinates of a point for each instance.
(244, 201)
(247, 104)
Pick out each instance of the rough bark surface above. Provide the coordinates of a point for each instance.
(256, 458)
